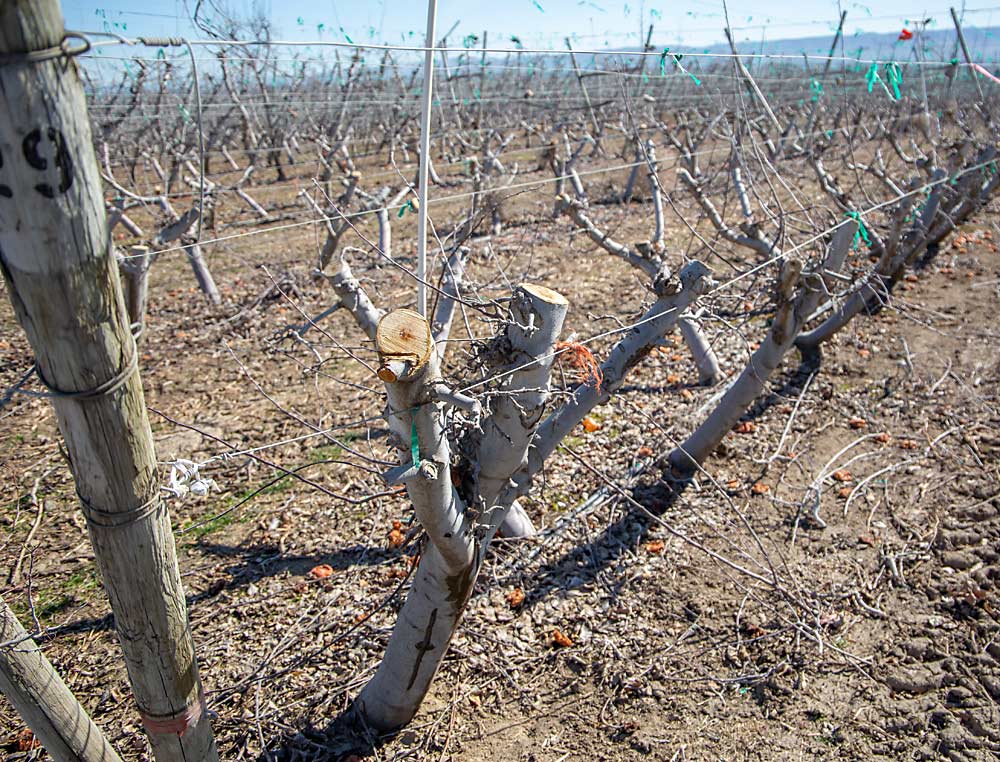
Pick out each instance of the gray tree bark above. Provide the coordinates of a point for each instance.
(796, 306)
(456, 545)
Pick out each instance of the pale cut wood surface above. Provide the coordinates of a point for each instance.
(404, 334)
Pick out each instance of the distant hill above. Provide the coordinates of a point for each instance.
(937, 44)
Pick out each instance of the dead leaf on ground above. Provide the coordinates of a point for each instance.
(561, 640)
(26, 740)
(322, 571)
(396, 536)
(515, 597)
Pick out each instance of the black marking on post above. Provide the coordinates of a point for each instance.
(63, 161)
(5, 190)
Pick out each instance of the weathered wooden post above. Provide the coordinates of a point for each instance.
(42, 699)
(968, 57)
(56, 258)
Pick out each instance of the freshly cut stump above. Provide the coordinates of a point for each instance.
(404, 344)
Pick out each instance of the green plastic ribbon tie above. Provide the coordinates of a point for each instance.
(414, 441)
(816, 88)
(872, 76)
(895, 75)
(677, 62)
(404, 207)
(862, 231)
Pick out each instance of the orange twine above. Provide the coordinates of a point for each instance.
(578, 357)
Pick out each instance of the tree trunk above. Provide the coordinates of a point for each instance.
(135, 268)
(451, 561)
(701, 351)
(202, 274)
(784, 328)
(629, 351)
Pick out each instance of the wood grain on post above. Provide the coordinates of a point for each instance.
(55, 255)
(44, 702)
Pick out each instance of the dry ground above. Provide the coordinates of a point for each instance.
(675, 654)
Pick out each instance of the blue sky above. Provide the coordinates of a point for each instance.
(596, 24)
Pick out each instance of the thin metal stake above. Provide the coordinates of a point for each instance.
(425, 157)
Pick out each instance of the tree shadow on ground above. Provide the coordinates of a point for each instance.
(583, 565)
(251, 563)
(344, 739)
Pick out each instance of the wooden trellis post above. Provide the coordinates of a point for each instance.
(968, 57)
(56, 258)
(42, 699)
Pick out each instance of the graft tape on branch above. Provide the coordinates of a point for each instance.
(677, 62)
(872, 76)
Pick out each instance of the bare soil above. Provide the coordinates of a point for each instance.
(674, 654)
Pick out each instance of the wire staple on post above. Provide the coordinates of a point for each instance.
(62, 50)
(110, 386)
(117, 519)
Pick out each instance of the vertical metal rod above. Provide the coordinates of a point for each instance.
(425, 157)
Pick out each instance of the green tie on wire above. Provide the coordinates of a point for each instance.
(862, 231)
(816, 88)
(677, 62)
(895, 75)
(872, 76)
